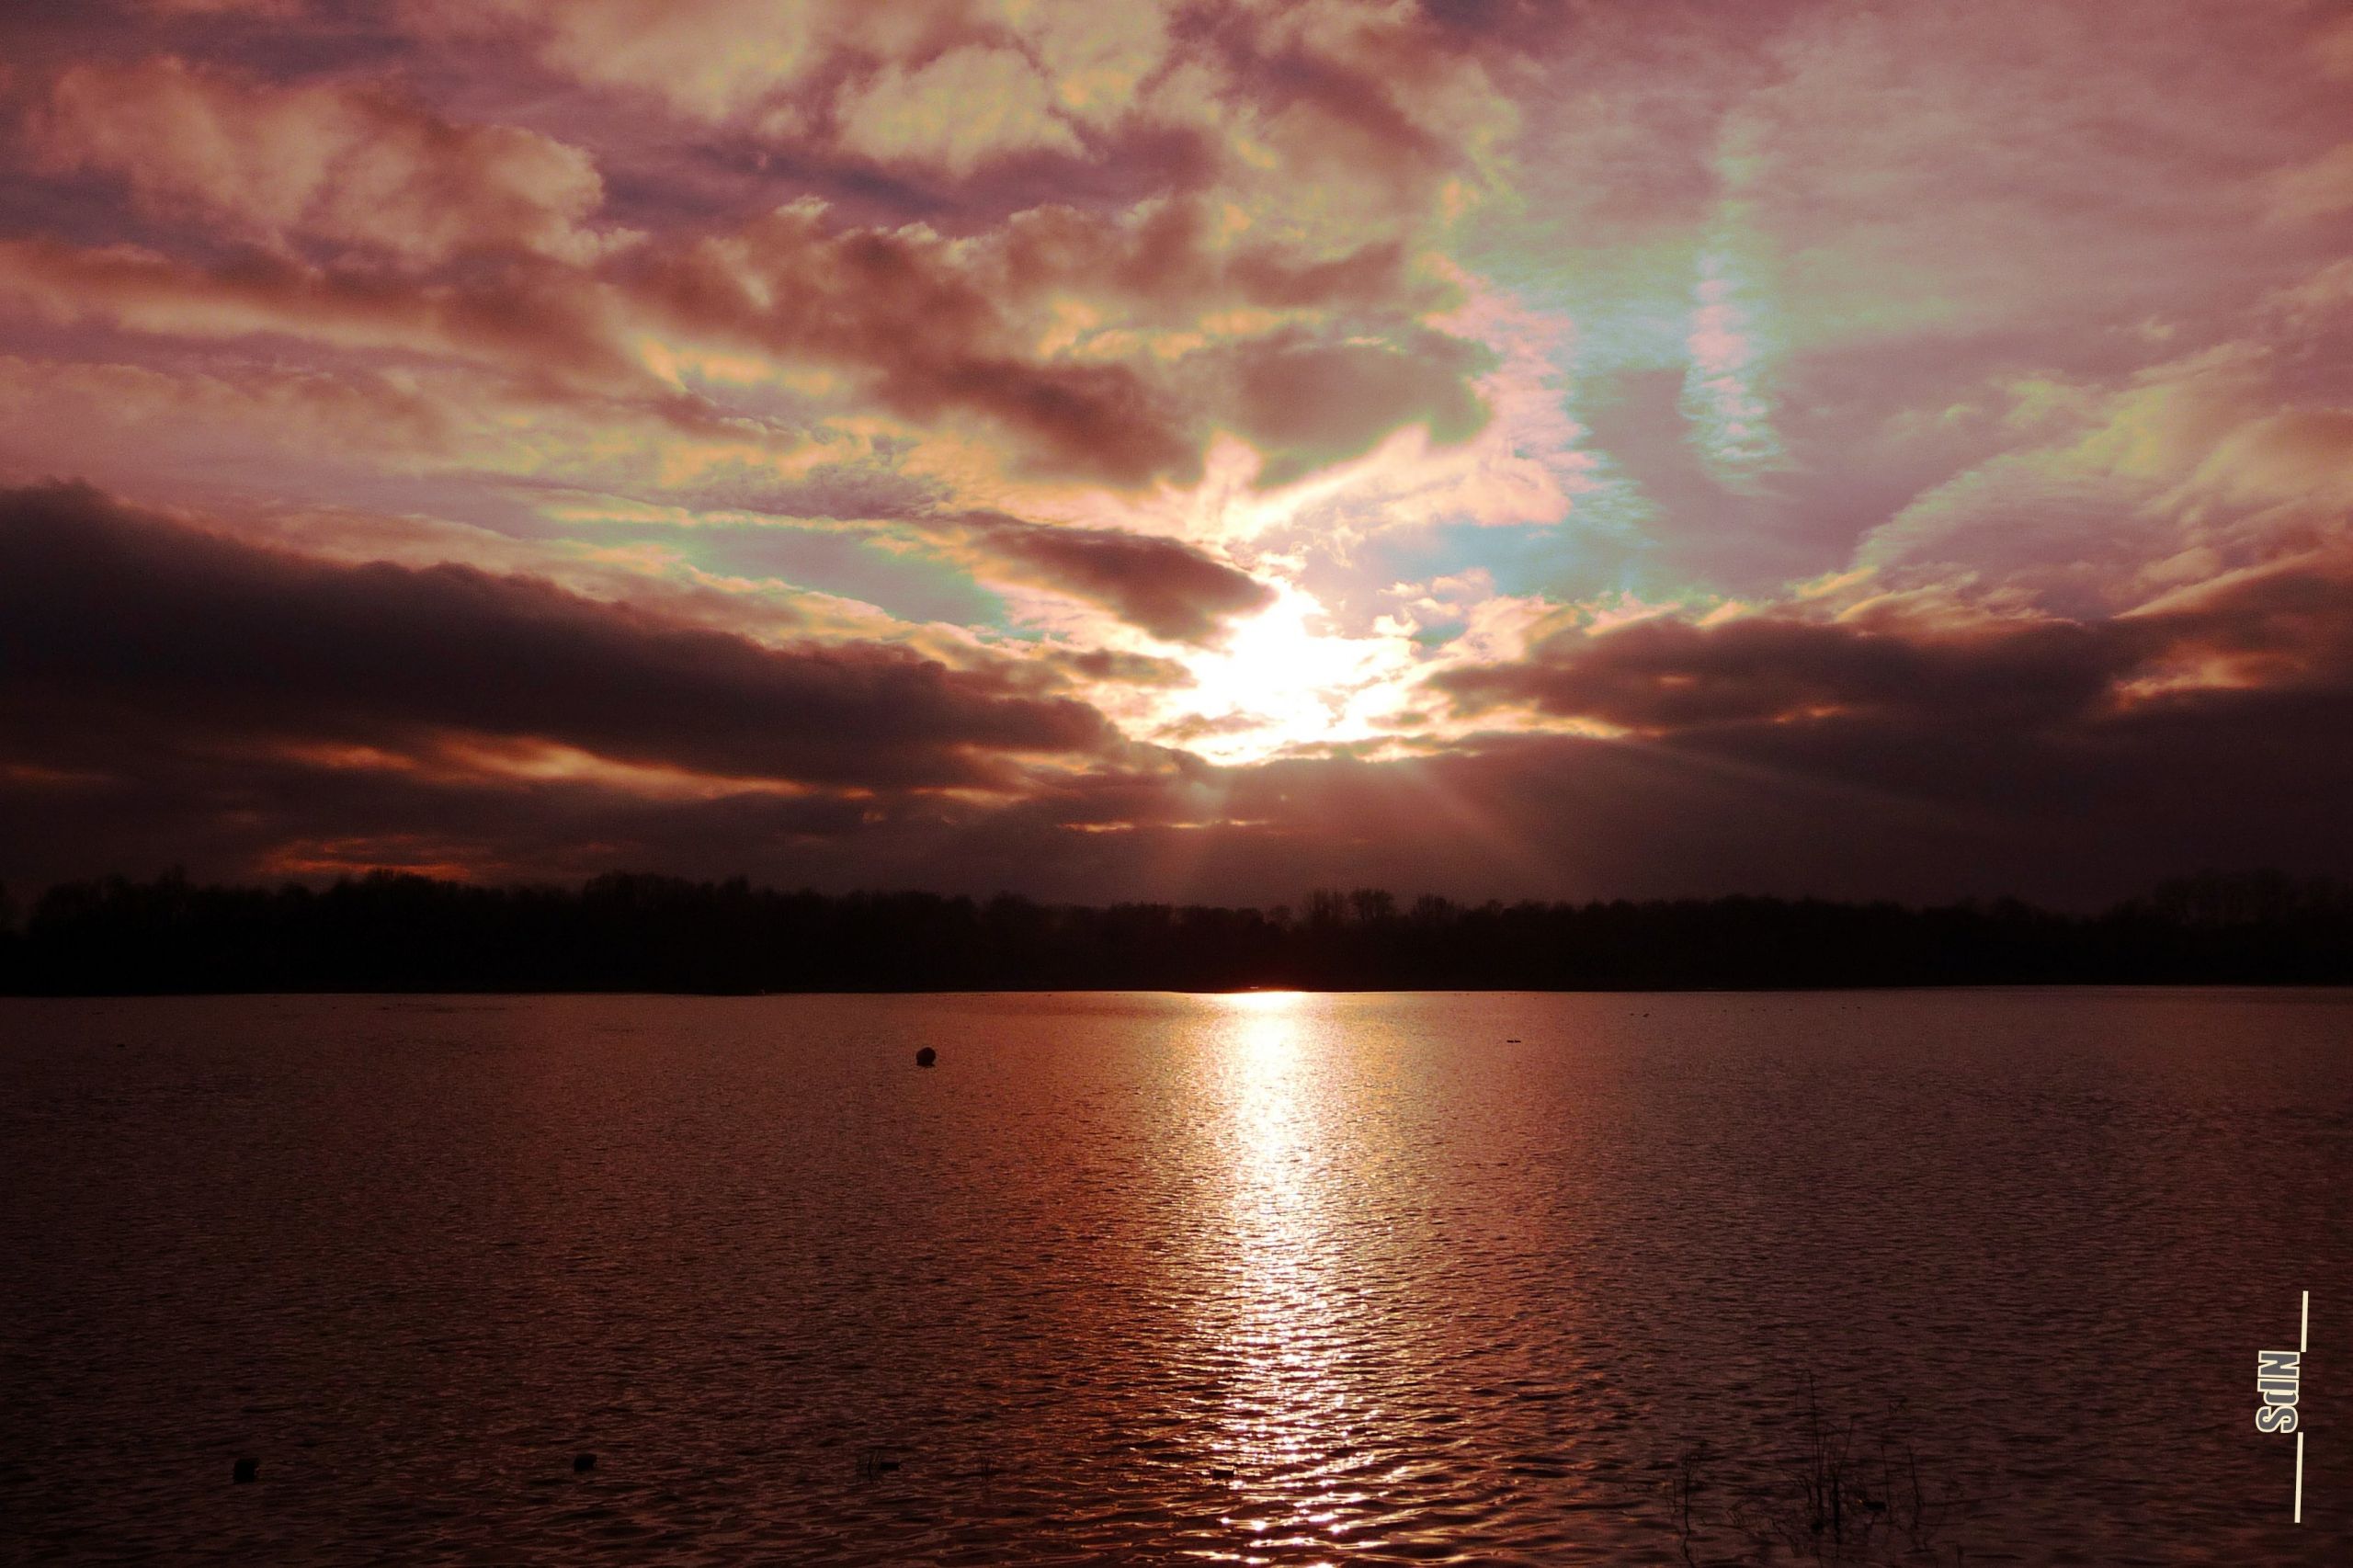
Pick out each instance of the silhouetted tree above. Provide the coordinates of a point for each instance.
(622, 931)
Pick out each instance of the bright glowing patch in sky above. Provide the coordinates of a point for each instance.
(1285, 679)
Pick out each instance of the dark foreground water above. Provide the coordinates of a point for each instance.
(1956, 1277)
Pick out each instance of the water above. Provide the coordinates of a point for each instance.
(1153, 1278)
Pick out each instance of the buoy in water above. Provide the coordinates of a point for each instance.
(926, 1057)
(582, 1463)
(244, 1471)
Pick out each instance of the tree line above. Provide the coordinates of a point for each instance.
(629, 932)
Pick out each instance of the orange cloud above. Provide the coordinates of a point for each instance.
(958, 110)
(711, 59)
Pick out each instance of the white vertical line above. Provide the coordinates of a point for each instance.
(2303, 1343)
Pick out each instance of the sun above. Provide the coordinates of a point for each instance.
(1284, 679)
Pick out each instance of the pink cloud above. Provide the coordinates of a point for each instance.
(348, 165)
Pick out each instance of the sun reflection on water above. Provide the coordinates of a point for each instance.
(1290, 1426)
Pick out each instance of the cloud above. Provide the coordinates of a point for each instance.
(1126, 669)
(2101, 495)
(1117, 406)
(708, 59)
(1162, 585)
(902, 413)
(1317, 121)
(1308, 403)
(120, 632)
(896, 307)
(1172, 589)
(1783, 684)
(953, 87)
(1312, 360)
(250, 712)
(69, 415)
(2319, 189)
(1034, 75)
(965, 107)
(549, 328)
(344, 163)
(272, 9)
(1667, 676)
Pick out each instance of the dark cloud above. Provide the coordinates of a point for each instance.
(168, 694)
(1884, 805)
(2285, 630)
(2069, 761)
(1166, 587)
(120, 632)
(1126, 669)
(1671, 674)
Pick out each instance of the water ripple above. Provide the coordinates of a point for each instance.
(1264, 1279)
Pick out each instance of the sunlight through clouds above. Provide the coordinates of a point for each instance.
(1160, 404)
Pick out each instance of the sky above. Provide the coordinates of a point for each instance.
(1179, 449)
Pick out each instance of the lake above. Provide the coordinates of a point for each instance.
(1909, 1277)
